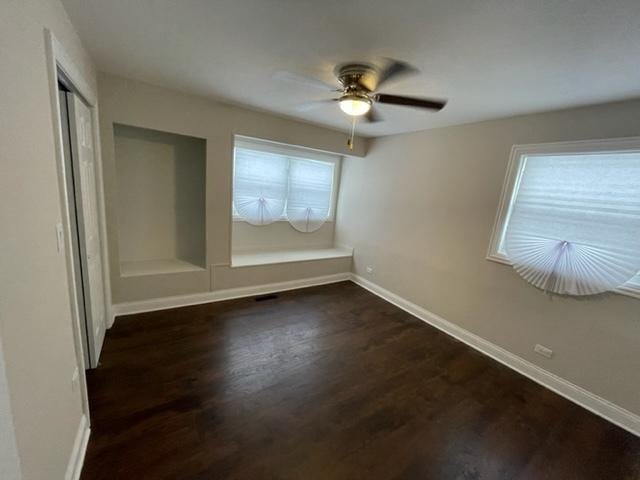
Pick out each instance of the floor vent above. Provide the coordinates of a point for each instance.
(262, 298)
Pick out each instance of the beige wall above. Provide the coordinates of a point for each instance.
(223, 277)
(161, 195)
(35, 319)
(9, 460)
(420, 208)
(138, 104)
(279, 236)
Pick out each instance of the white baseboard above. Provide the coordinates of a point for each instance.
(598, 405)
(74, 467)
(227, 294)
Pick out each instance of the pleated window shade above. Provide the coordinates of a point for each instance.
(278, 182)
(574, 223)
(260, 185)
(309, 200)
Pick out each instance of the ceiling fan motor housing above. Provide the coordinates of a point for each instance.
(349, 75)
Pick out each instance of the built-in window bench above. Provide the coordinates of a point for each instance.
(246, 259)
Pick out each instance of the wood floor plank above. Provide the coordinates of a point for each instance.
(328, 382)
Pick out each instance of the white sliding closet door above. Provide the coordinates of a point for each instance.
(88, 227)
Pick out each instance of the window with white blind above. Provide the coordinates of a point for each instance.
(275, 182)
(569, 217)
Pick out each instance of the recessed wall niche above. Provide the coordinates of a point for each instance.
(161, 201)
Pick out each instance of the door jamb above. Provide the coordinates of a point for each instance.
(59, 60)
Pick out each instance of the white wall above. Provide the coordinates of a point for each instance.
(35, 319)
(420, 208)
(138, 104)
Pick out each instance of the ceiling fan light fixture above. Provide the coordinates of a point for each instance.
(355, 105)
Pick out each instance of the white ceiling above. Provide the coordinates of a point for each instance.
(490, 58)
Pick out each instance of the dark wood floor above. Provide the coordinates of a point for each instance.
(324, 383)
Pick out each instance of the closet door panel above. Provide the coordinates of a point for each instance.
(89, 227)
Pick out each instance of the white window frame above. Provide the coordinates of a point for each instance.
(514, 175)
(292, 150)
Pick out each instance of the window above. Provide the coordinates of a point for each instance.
(274, 182)
(569, 216)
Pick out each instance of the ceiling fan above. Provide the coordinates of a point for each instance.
(358, 88)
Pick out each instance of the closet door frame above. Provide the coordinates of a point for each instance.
(60, 65)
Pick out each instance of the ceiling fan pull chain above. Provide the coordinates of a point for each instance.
(351, 137)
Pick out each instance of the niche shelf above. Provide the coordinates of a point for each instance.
(161, 201)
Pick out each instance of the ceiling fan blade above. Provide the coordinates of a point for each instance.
(428, 103)
(305, 107)
(304, 80)
(372, 116)
(392, 70)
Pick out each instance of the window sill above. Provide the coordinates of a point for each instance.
(498, 258)
(283, 219)
(250, 259)
(630, 289)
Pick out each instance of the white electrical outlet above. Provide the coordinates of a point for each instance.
(369, 269)
(542, 350)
